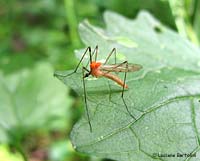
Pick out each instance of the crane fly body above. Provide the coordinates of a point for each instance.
(98, 69)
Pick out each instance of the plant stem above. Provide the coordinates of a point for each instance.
(182, 20)
(72, 22)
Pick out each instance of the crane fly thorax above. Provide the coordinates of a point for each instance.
(95, 69)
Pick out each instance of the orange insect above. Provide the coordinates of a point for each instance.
(97, 69)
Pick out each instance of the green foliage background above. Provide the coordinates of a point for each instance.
(37, 37)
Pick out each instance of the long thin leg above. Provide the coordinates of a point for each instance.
(95, 51)
(86, 69)
(85, 99)
(113, 51)
(88, 49)
(122, 96)
(125, 62)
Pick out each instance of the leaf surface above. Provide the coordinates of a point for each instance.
(163, 96)
(31, 100)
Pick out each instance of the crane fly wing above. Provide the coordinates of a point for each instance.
(121, 67)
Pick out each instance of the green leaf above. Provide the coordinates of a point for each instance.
(163, 96)
(32, 100)
(156, 7)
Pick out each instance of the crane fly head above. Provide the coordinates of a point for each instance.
(87, 74)
(95, 65)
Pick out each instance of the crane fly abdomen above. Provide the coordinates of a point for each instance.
(115, 78)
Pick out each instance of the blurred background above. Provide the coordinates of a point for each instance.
(37, 37)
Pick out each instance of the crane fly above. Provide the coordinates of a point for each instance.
(98, 69)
